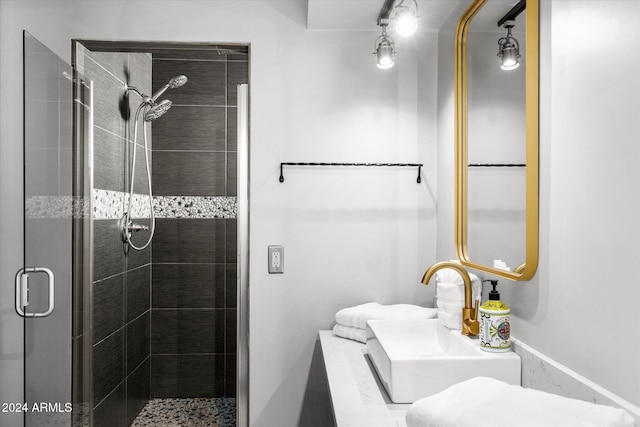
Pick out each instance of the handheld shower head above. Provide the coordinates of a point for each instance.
(157, 110)
(175, 82)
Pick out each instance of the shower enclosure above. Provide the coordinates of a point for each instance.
(159, 327)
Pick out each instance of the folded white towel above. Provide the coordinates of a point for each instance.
(352, 333)
(357, 316)
(487, 402)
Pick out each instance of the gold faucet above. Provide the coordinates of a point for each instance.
(470, 324)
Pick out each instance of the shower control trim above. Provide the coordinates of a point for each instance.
(127, 229)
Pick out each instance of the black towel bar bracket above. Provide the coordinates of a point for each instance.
(415, 165)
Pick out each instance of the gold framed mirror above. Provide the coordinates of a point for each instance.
(496, 119)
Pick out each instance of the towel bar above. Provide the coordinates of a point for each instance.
(416, 165)
(496, 165)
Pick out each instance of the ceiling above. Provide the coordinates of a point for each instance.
(363, 14)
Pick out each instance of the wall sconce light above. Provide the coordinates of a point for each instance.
(406, 17)
(385, 49)
(509, 49)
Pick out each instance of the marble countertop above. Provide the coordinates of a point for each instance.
(357, 397)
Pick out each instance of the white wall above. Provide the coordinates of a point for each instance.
(350, 235)
(580, 308)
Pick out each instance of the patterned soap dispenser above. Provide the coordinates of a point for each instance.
(495, 326)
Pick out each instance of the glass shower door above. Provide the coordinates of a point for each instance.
(43, 285)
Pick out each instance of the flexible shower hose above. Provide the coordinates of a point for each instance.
(152, 226)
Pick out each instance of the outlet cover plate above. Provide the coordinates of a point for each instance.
(275, 259)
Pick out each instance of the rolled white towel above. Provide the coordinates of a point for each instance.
(482, 401)
(450, 314)
(450, 296)
(352, 333)
(357, 316)
(449, 275)
(452, 287)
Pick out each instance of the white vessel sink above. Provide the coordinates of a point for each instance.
(418, 358)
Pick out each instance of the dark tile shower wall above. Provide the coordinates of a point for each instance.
(121, 281)
(193, 316)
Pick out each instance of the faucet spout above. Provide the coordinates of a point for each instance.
(470, 324)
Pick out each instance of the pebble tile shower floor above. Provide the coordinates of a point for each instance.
(197, 412)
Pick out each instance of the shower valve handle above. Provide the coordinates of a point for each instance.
(134, 228)
(128, 228)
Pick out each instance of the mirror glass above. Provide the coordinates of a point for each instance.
(495, 169)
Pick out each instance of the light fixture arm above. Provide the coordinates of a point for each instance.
(384, 49)
(502, 41)
(385, 12)
(509, 49)
(383, 37)
(388, 7)
(513, 13)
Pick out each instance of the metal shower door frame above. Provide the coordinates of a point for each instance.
(242, 345)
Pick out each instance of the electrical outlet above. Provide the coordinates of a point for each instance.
(276, 259)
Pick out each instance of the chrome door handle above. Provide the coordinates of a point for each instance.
(22, 291)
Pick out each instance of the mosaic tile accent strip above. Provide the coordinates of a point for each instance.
(195, 207)
(111, 205)
(56, 207)
(195, 412)
(108, 204)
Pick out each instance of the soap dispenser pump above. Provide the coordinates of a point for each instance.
(495, 325)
